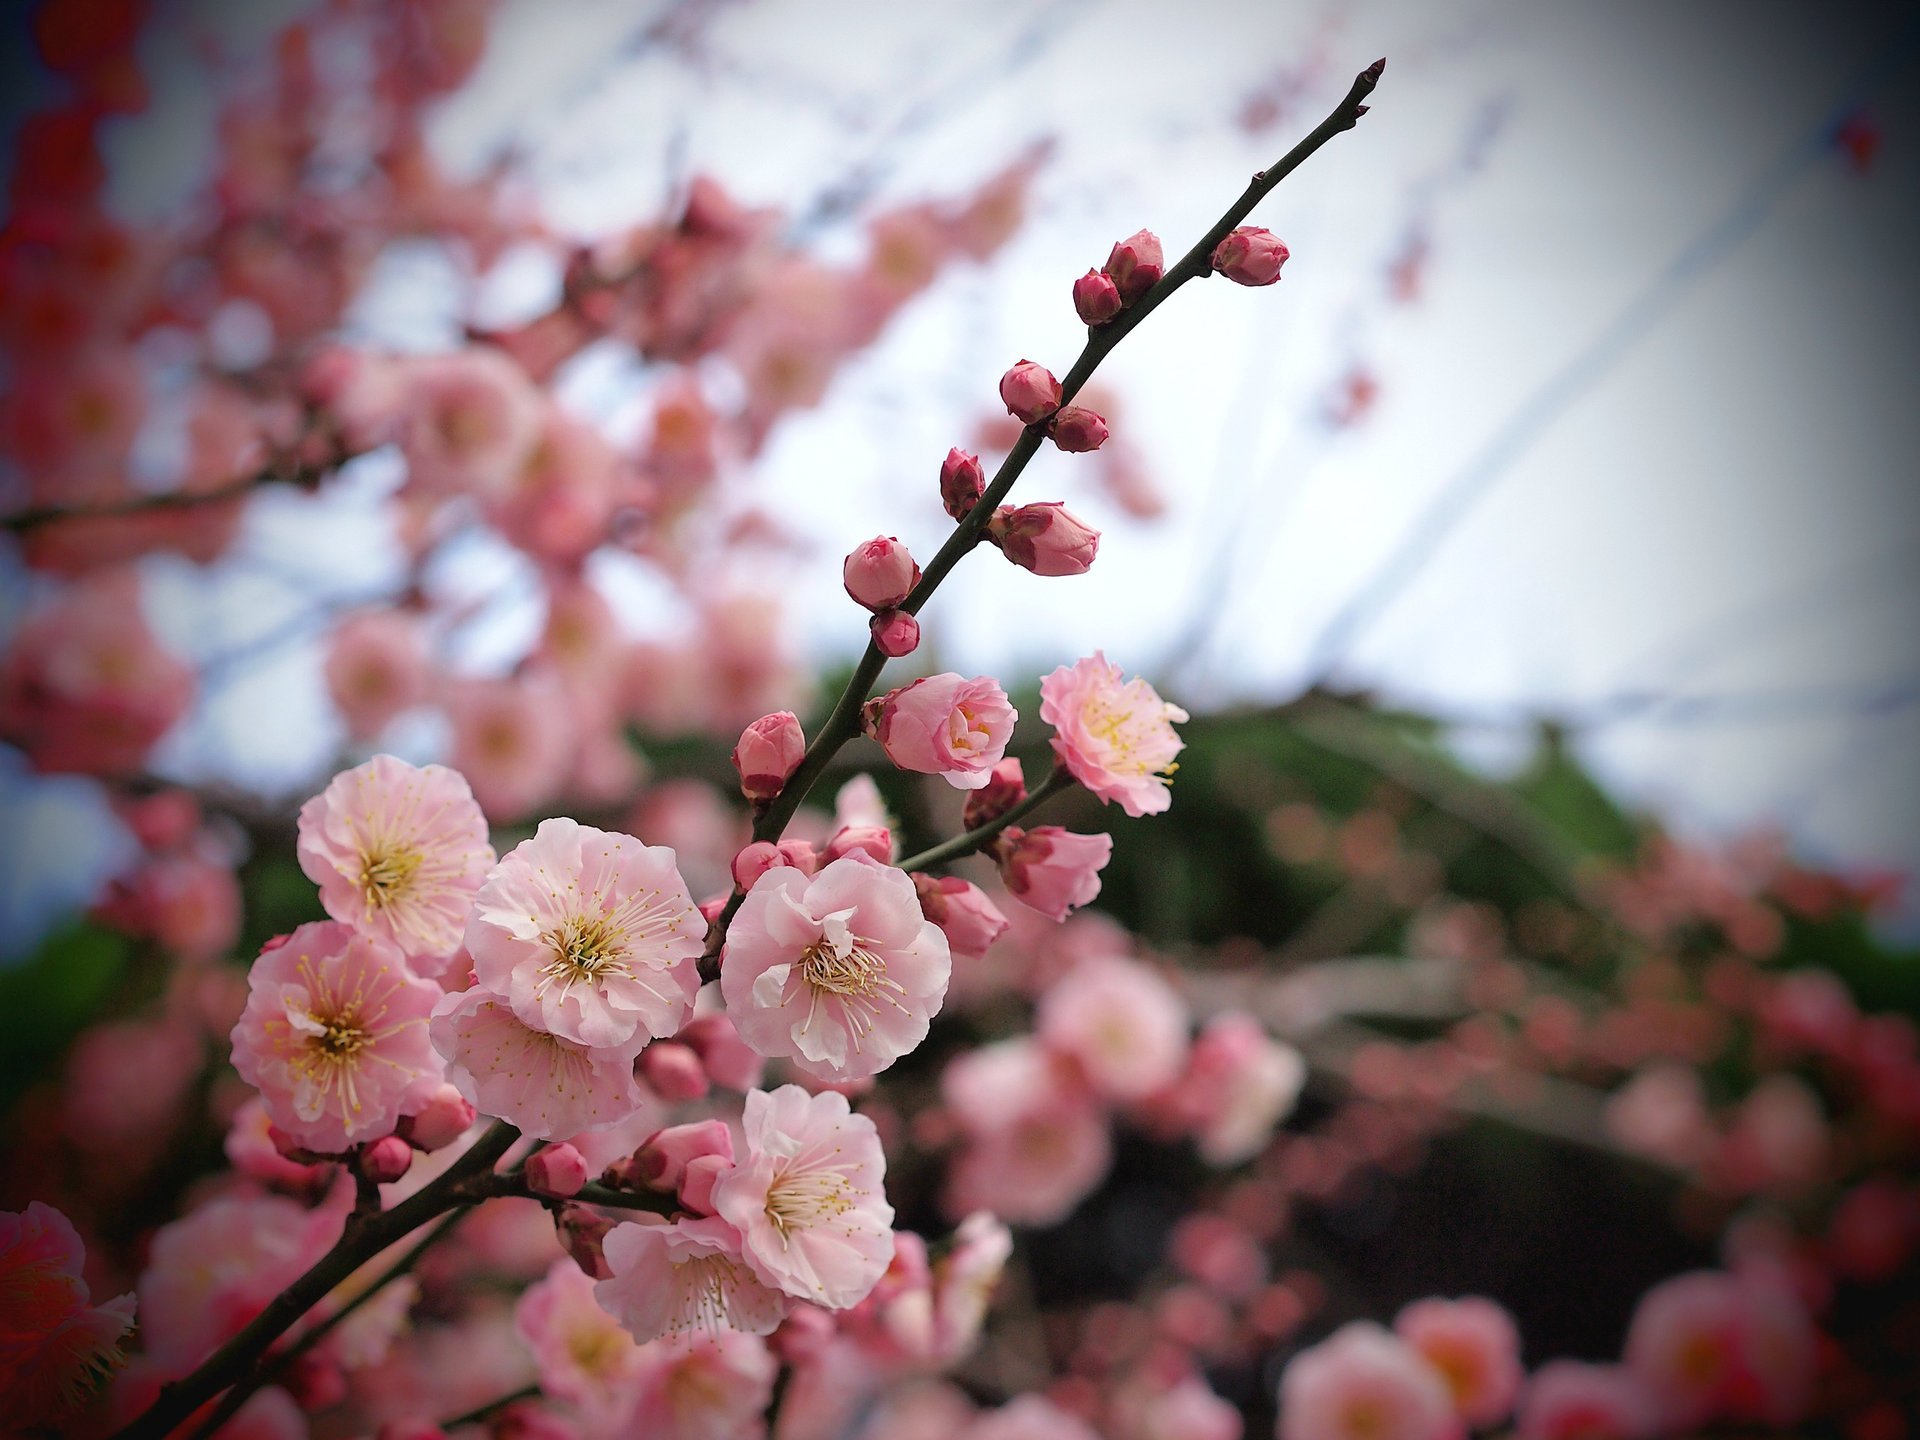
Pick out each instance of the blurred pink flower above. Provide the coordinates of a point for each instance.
(704, 1387)
(398, 852)
(334, 1036)
(1120, 1023)
(584, 1356)
(838, 972)
(376, 668)
(1115, 737)
(512, 739)
(1569, 1400)
(589, 935)
(808, 1197)
(1363, 1383)
(1034, 1142)
(55, 1344)
(1473, 1344)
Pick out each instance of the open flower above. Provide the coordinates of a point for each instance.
(551, 1087)
(585, 1357)
(397, 852)
(589, 935)
(838, 972)
(688, 1276)
(1473, 1344)
(334, 1036)
(1363, 1383)
(55, 1344)
(808, 1198)
(1116, 737)
(945, 725)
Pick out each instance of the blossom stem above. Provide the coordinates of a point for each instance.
(359, 1243)
(972, 840)
(844, 722)
(593, 1193)
(481, 1412)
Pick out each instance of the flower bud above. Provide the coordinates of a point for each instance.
(962, 482)
(1250, 256)
(1006, 787)
(727, 1059)
(530, 1420)
(769, 750)
(673, 1071)
(1135, 265)
(803, 1335)
(662, 1161)
(970, 921)
(1044, 538)
(753, 861)
(1096, 299)
(385, 1160)
(895, 633)
(1077, 429)
(1030, 392)
(696, 1185)
(556, 1170)
(580, 1232)
(1050, 869)
(880, 573)
(875, 841)
(442, 1120)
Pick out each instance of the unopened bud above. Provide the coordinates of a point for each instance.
(1044, 538)
(880, 573)
(753, 861)
(1077, 429)
(556, 1170)
(873, 841)
(1096, 299)
(727, 1059)
(672, 1071)
(698, 1180)
(581, 1232)
(1030, 392)
(385, 1160)
(442, 1120)
(1135, 265)
(1250, 256)
(769, 751)
(895, 633)
(1006, 787)
(962, 482)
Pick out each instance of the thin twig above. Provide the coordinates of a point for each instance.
(972, 840)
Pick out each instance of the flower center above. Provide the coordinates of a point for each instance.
(597, 1349)
(585, 948)
(802, 1200)
(384, 875)
(854, 972)
(340, 1036)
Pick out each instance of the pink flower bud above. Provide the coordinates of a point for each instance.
(970, 921)
(696, 1185)
(873, 841)
(1006, 787)
(409, 1428)
(728, 1059)
(1077, 430)
(442, 1120)
(581, 1232)
(385, 1160)
(713, 907)
(1135, 265)
(1030, 392)
(800, 855)
(1049, 869)
(1096, 298)
(1250, 256)
(662, 1161)
(962, 482)
(673, 1071)
(803, 1335)
(880, 573)
(1045, 538)
(557, 1170)
(530, 1420)
(768, 751)
(753, 861)
(895, 633)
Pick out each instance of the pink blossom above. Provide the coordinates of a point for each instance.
(1096, 299)
(1475, 1347)
(1363, 1383)
(1050, 869)
(1120, 1023)
(1035, 1143)
(880, 573)
(808, 1197)
(1046, 538)
(704, 1387)
(512, 739)
(1661, 1112)
(1684, 1344)
(334, 1036)
(895, 633)
(85, 686)
(552, 1088)
(1077, 430)
(964, 1281)
(585, 1357)
(557, 1170)
(1136, 264)
(769, 751)
(1116, 737)
(470, 421)
(1028, 1417)
(1030, 392)
(945, 725)
(1568, 1400)
(970, 921)
(376, 668)
(398, 852)
(1240, 1083)
(1250, 256)
(668, 1280)
(557, 502)
(55, 1344)
(590, 935)
(962, 482)
(209, 1273)
(838, 971)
